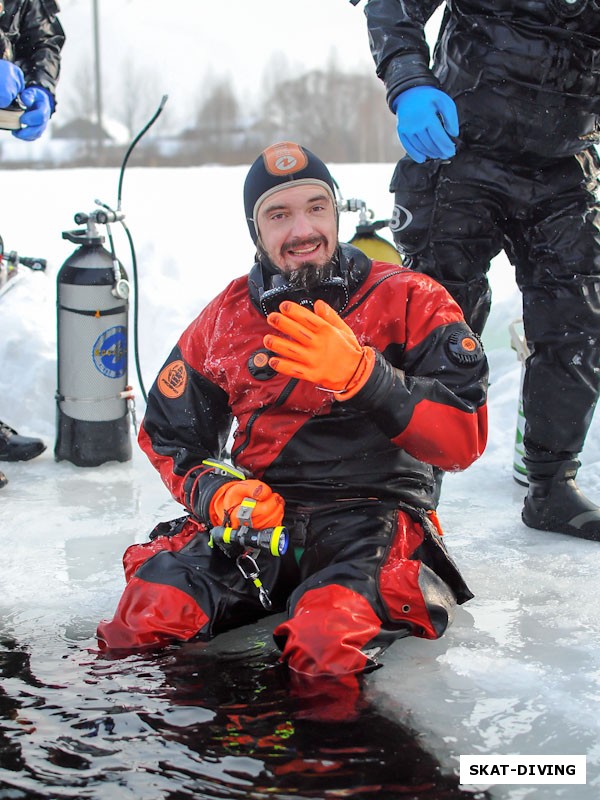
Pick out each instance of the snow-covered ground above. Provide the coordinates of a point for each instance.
(517, 673)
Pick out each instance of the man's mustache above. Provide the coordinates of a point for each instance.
(299, 244)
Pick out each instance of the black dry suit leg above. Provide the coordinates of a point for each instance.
(561, 314)
(547, 219)
(445, 228)
(555, 503)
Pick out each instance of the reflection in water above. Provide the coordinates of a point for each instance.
(199, 721)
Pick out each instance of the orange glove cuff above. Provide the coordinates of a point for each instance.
(267, 513)
(216, 509)
(360, 377)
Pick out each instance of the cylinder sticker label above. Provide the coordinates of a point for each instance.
(110, 352)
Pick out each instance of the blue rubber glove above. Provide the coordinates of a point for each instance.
(12, 82)
(427, 118)
(40, 105)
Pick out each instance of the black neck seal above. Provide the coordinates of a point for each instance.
(269, 287)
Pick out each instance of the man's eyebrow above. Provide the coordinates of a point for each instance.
(282, 206)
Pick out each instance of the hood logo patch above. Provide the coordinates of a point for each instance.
(284, 158)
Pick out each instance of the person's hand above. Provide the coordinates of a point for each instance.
(12, 82)
(318, 347)
(39, 105)
(226, 502)
(426, 119)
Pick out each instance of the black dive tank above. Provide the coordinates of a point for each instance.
(92, 396)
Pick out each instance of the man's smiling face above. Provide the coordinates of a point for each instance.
(297, 227)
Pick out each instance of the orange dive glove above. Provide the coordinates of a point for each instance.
(319, 348)
(225, 502)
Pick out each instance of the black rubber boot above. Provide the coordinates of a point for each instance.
(14, 447)
(554, 502)
(3, 480)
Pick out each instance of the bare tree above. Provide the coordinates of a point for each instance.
(341, 115)
(139, 97)
(81, 100)
(219, 128)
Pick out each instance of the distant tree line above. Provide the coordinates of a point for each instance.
(341, 115)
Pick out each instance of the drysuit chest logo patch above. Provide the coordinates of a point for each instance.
(109, 352)
(172, 380)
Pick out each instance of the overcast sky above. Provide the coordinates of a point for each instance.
(181, 42)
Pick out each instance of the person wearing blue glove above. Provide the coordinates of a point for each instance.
(37, 101)
(500, 130)
(40, 105)
(12, 82)
(31, 40)
(426, 120)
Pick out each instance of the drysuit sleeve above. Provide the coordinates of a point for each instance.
(187, 420)
(398, 43)
(38, 46)
(429, 395)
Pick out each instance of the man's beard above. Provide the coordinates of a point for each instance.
(304, 284)
(308, 275)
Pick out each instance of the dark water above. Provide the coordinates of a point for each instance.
(197, 721)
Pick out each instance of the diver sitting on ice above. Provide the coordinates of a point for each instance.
(348, 380)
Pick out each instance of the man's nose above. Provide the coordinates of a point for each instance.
(302, 226)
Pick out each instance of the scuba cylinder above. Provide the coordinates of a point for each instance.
(366, 237)
(92, 307)
(93, 398)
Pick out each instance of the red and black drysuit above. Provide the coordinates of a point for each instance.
(356, 476)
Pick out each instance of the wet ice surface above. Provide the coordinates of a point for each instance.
(195, 721)
(516, 674)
